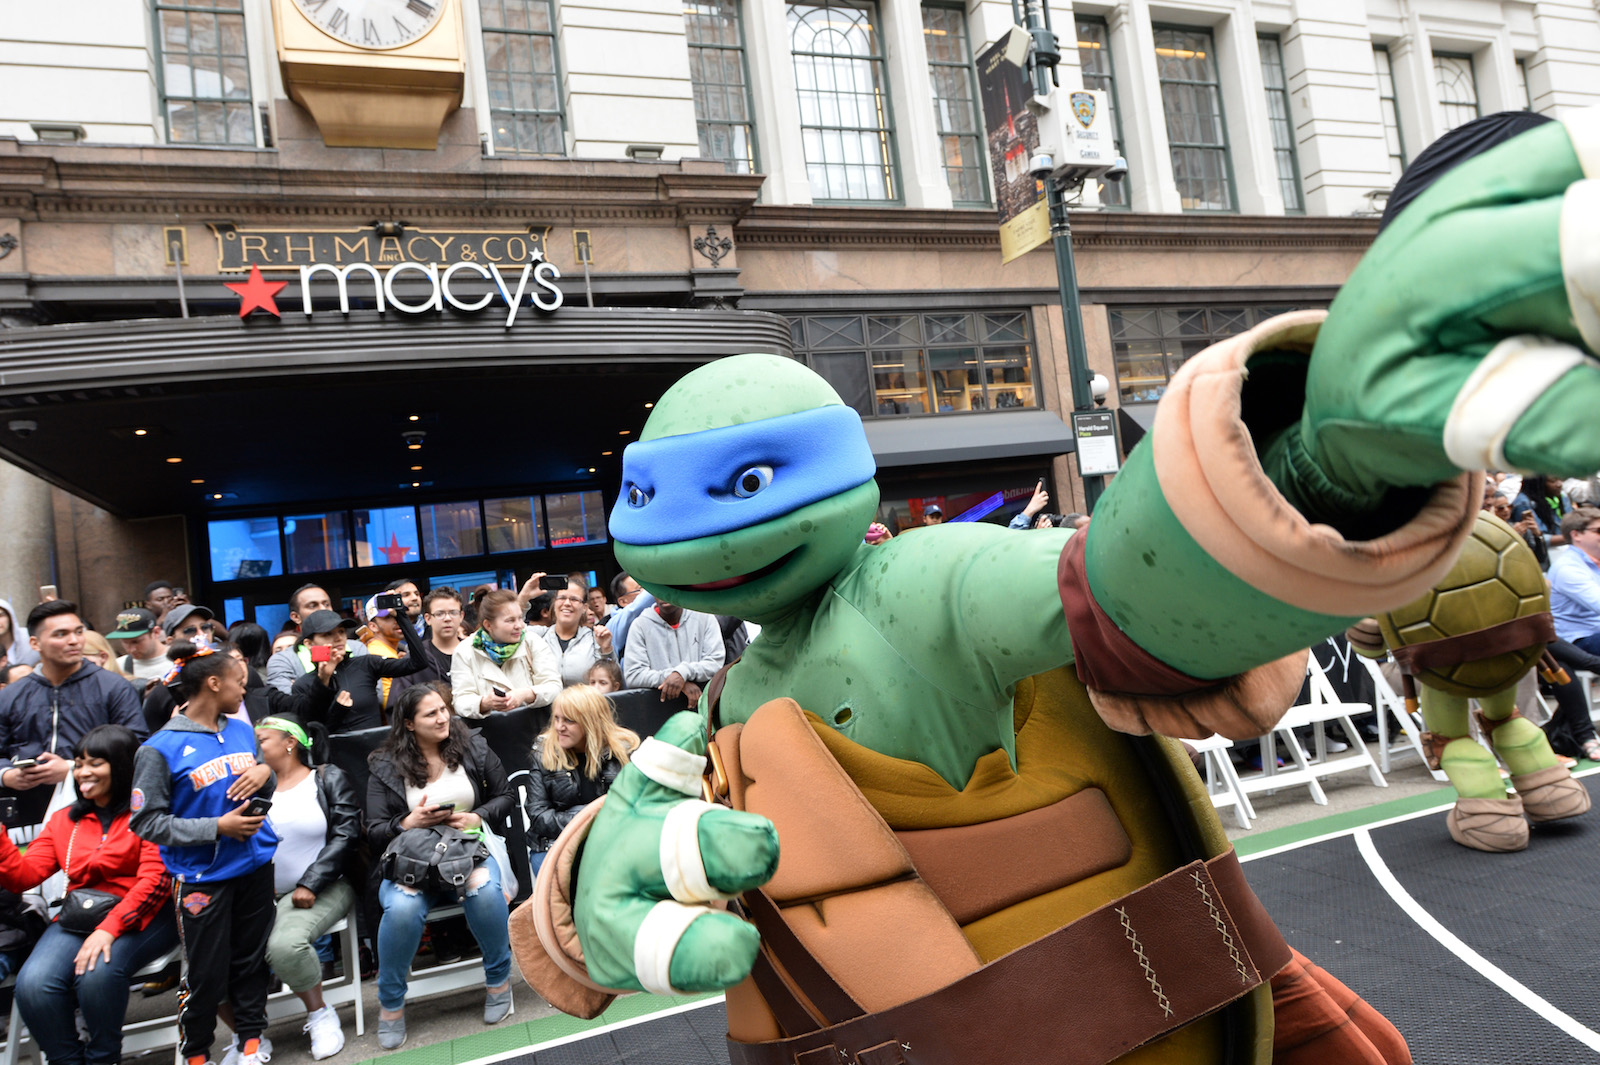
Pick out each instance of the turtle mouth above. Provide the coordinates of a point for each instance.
(741, 579)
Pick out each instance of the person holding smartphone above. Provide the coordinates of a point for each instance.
(341, 691)
(434, 771)
(201, 793)
(503, 666)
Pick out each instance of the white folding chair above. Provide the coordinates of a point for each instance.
(1323, 707)
(137, 1037)
(1392, 705)
(1222, 780)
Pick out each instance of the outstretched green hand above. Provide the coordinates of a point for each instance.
(654, 859)
(1464, 339)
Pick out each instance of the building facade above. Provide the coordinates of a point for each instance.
(703, 176)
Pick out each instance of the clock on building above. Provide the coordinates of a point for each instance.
(373, 73)
(377, 24)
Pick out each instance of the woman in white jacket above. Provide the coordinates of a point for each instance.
(502, 667)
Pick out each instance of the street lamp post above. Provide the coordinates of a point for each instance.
(1072, 315)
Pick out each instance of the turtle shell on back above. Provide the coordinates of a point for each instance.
(1496, 579)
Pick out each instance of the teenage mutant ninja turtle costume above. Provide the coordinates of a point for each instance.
(951, 825)
(1474, 636)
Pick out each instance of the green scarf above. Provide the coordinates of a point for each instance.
(500, 652)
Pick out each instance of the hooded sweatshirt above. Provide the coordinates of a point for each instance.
(15, 646)
(181, 778)
(36, 715)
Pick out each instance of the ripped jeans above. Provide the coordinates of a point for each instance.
(404, 913)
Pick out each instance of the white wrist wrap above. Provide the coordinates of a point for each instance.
(681, 863)
(1515, 373)
(656, 941)
(671, 767)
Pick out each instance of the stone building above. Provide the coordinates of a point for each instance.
(184, 398)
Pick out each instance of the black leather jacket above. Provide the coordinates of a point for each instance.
(553, 799)
(386, 793)
(339, 855)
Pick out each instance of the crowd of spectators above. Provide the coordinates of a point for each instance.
(199, 751)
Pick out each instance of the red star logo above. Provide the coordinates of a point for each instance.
(395, 553)
(257, 292)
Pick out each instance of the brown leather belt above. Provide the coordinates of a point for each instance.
(1129, 972)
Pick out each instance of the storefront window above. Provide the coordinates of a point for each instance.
(244, 548)
(576, 518)
(317, 542)
(921, 363)
(386, 536)
(450, 530)
(466, 582)
(1150, 343)
(514, 524)
(995, 506)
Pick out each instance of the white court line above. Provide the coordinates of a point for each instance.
(1448, 939)
(590, 1033)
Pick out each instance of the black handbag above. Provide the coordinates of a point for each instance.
(84, 908)
(439, 858)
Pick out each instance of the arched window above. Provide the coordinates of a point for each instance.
(845, 117)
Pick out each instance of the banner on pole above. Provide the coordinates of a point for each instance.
(1013, 134)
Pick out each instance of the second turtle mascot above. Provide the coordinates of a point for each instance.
(984, 854)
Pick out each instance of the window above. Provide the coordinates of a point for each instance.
(519, 59)
(242, 548)
(844, 100)
(722, 109)
(1094, 58)
(955, 107)
(386, 536)
(205, 72)
(1150, 343)
(1192, 101)
(451, 530)
(929, 363)
(1277, 83)
(576, 518)
(1391, 112)
(317, 542)
(1521, 96)
(1458, 88)
(515, 524)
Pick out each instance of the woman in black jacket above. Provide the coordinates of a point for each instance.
(342, 692)
(575, 761)
(318, 823)
(435, 772)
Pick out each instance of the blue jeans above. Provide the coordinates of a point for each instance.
(404, 914)
(47, 990)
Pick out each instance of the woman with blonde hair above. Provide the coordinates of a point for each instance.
(96, 649)
(575, 761)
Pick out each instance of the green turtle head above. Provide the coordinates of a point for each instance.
(749, 488)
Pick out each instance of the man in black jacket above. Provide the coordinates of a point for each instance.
(46, 713)
(342, 691)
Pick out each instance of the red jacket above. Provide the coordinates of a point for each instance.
(120, 863)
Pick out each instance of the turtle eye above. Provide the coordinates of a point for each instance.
(752, 481)
(637, 497)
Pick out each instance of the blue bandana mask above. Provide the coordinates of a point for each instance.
(677, 488)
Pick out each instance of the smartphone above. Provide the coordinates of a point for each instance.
(498, 692)
(444, 807)
(258, 807)
(24, 763)
(388, 601)
(47, 593)
(321, 652)
(552, 582)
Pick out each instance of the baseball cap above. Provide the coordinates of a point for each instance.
(934, 509)
(178, 615)
(132, 624)
(322, 621)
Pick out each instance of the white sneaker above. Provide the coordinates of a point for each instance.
(327, 1038)
(231, 1056)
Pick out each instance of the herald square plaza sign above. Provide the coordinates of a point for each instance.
(371, 260)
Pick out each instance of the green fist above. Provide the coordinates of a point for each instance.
(1465, 337)
(654, 859)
